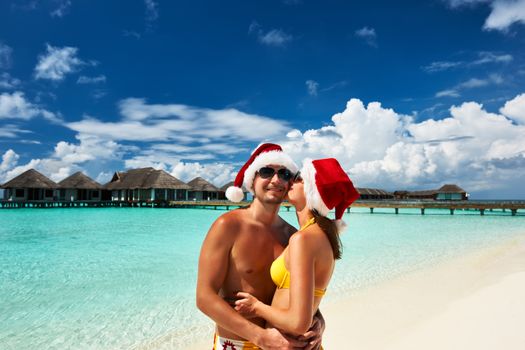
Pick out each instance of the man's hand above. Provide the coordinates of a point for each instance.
(314, 336)
(272, 339)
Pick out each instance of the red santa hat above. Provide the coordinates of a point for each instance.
(327, 186)
(265, 154)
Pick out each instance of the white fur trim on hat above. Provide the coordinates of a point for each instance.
(234, 194)
(264, 159)
(340, 225)
(313, 198)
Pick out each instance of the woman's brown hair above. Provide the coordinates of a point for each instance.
(330, 229)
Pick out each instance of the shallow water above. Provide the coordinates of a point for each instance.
(121, 278)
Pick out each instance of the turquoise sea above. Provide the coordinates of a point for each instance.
(124, 278)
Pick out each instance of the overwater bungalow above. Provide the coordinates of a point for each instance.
(222, 191)
(146, 185)
(451, 192)
(374, 194)
(201, 190)
(445, 192)
(80, 187)
(30, 186)
(424, 195)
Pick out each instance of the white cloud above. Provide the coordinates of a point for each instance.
(91, 80)
(459, 3)
(182, 123)
(9, 160)
(273, 37)
(56, 63)
(5, 56)
(12, 131)
(441, 66)
(218, 174)
(504, 13)
(8, 82)
(473, 83)
(62, 8)
(312, 86)
(30, 142)
(66, 158)
(492, 79)
(25, 5)
(491, 57)
(368, 34)
(483, 57)
(131, 33)
(515, 109)
(152, 14)
(336, 85)
(55, 169)
(223, 149)
(381, 148)
(152, 10)
(88, 148)
(448, 93)
(104, 177)
(15, 106)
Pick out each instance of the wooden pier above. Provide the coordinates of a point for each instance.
(81, 204)
(452, 206)
(482, 207)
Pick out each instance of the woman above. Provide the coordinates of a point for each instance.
(302, 272)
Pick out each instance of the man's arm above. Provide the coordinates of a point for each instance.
(314, 336)
(213, 267)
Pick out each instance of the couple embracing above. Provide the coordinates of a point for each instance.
(260, 279)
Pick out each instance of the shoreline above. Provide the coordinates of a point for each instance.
(473, 301)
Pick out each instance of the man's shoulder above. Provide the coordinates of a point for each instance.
(231, 220)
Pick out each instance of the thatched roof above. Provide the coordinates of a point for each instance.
(426, 193)
(199, 184)
(30, 179)
(373, 192)
(145, 178)
(451, 188)
(80, 181)
(225, 187)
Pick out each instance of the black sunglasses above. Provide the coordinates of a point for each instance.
(283, 173)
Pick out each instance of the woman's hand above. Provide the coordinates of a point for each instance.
(246, 305)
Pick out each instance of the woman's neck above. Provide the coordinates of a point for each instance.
(303, 215)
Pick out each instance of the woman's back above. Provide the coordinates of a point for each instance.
(311, 247)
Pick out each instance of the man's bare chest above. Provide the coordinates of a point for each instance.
(253, 254)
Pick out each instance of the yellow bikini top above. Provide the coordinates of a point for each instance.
(281, 275)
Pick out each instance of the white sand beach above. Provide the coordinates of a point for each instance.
(470, 302)
(474, 301)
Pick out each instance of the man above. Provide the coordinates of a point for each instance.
(239, 250)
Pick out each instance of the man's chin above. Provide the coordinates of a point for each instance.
(273, 199)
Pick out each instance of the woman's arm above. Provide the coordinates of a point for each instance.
(297, 318)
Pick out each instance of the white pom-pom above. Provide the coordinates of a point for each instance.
(234, 194)
(341, 226)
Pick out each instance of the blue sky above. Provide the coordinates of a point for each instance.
(407, 95)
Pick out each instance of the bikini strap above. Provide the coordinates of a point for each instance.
(309, 223)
